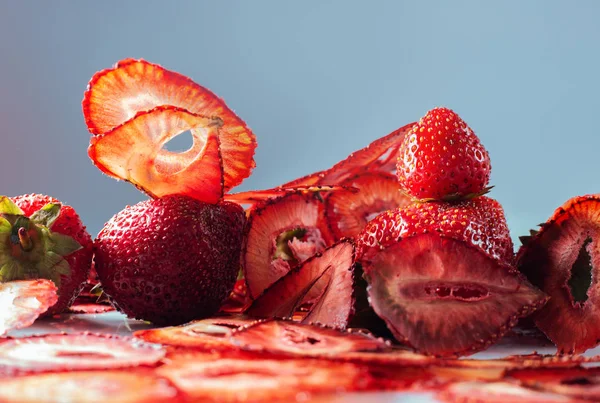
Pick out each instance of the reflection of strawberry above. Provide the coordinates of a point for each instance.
(441, 158)
(562, 259)
(440, 275)
(44, 239)
(170, 260)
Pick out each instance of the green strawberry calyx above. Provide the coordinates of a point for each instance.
(28, 247)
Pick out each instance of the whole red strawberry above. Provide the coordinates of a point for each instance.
(44, 239)
(441, 275)
(170, 260)
(442, 159)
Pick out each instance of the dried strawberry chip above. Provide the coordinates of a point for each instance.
(348, 212)
(259, 380)
(58, 352)
(116, 95)
(444, 297)
(562, 259)
(358, 161)
(326, 278)
(497, 392)
(289, 338)
(205, 334)
(89, 386)
(239, 300)
(256, 196)
(581, 383)
(196, 172)
(281, 234)
(24, 301)
(91, 308)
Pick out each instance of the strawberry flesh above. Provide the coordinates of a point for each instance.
(281, 234)
(563, 260)
(115, 96)
(325, 279)
(497, 392)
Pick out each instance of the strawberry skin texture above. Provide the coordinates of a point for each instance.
(68, 223)
(170, 260)
(479, 222)
(441, 158)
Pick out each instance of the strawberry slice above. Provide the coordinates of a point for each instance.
(89, 386)
(579, 383)
(375, 155)
(261, 380)
(348, 212)
(91, 308)
(497, 392)
(69, 352)
(563, 260)
(196, 172)
(444, 297)
(239, 300)
(282, 233)
(24, 301)
(326, 277)
(256, 196)
(116, 95)
(288, 338)
(205, 334)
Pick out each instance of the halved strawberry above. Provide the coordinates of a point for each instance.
(288, 338)
(261, 380)
(348, 212)
(497, 392)
(563, 259)
(24, 301)
(580, 383)
(89, 386)
(69, 352)
(325, 278)
(281, 234)
(438, 275)
(359, 161)
(116, 95)
(197, 172)
(205, 334)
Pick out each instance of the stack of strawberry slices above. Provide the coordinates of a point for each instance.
(441, 271)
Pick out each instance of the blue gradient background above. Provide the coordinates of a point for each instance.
(315, 81)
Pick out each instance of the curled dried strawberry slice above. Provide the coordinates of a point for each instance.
(68, 352)
(24, 301)
(205, 334)
(580, 383)
(325, 278)
(134, 152)
(497, 392)
(289, 338)
(256, 196)
(89, 386)
(281, 234)
(261, 380)
(116, 95)
(376, 153)
(348, 212)
(444, 297)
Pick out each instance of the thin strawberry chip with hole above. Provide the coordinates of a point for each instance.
(134, 152)
(24, 301)
(327, 278)
(82, 351)
(497, 392)
(204, 334)
(116, 95)
(89, 386)
(288, 338)
(260, 380)
(376, 154)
